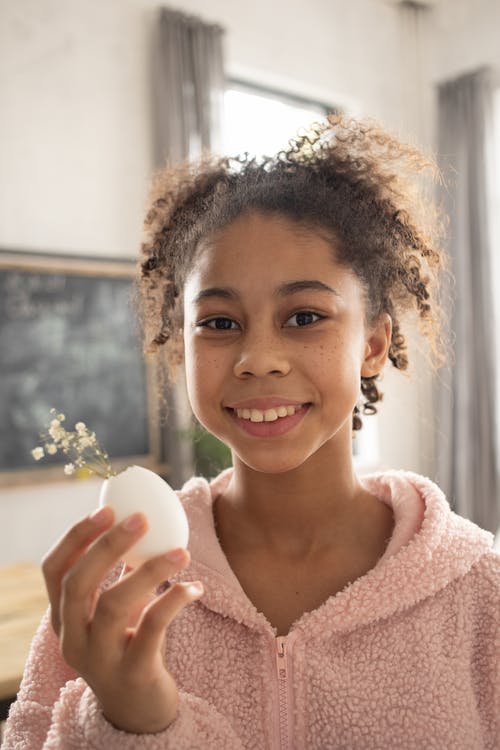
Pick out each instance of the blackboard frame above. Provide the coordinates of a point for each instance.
(98, 267)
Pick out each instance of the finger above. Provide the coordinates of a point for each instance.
(122, 604)
(160, 587)
(135, 611)
(144, 645)
(79, 585)
(68, 549)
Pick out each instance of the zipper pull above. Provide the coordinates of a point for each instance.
(280, 643)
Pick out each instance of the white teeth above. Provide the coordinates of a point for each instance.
(268, 415)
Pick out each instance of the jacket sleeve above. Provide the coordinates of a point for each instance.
(484, 659)
(56, 710)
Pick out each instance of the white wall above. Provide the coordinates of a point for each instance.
(33, 518)
(463, 36)
(75, 150)
(75, 146)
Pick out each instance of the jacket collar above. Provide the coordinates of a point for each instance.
(430, 547)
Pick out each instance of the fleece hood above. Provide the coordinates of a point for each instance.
(429, 548)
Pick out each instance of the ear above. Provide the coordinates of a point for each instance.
(377, 346)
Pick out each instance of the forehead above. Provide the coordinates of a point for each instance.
(259, 246)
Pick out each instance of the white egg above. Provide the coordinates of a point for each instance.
(140, 490)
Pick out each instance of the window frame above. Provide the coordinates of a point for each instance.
(285, 97)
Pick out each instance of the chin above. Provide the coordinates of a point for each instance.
(269, 464)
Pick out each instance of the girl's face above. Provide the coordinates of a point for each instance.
(274, 330)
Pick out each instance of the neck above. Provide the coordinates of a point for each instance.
(299, 513)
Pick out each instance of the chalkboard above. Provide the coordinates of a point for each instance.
(69, 339)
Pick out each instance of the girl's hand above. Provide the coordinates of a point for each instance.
(123, 665)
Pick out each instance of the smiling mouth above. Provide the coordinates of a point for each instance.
(268, 415)
(267, 423)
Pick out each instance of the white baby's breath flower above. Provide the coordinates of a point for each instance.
(60, 417)
(57, 433)
(81, 447)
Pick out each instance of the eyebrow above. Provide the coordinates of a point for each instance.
(285, 290)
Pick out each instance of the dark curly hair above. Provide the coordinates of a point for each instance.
(348, 179)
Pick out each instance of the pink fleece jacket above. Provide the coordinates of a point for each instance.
(405, 657)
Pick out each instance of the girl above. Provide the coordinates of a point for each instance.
(332, 611)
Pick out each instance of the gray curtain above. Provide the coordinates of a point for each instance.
(188, 87)
(467, 452)
(188, 98)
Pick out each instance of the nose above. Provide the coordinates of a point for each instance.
(261, 355)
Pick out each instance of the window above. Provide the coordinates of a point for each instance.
(261, 121)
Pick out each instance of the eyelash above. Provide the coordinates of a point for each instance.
(205, 323)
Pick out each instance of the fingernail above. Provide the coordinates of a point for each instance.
(133, 523)
(100, 516)
(195, 588)
(175, 555)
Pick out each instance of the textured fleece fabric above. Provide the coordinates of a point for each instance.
(405, 657)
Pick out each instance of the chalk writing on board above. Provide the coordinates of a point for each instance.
(29, 297)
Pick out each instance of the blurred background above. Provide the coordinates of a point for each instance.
(97, 94)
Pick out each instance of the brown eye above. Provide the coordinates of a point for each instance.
(303, 318)
(219, 324)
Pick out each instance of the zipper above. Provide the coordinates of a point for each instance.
(284, 725)
(283, 708)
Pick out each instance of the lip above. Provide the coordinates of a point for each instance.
(270, 429)
(265, 402)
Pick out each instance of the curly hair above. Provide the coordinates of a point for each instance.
(347, 179)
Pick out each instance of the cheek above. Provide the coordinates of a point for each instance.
(337, 370)
(194, 379)
(325, 360)
(321, 363)
(203, 376)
